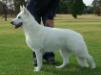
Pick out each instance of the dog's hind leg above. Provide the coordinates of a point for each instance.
(91, 62)
(82, 62)
(65, 57)
(39, 60)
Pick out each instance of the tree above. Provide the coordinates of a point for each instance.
(3, 9)
(63, 6)
(97, 7)
(17, 4)
(76, 7)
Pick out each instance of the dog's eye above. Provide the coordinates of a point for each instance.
(19, 17)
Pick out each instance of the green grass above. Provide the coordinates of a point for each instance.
(16, 57)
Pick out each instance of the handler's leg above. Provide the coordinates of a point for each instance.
(49, 56)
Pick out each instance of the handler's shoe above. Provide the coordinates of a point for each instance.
(47, 61)
(48, 58)
(51, 60)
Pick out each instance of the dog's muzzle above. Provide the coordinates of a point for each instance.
(16, 25)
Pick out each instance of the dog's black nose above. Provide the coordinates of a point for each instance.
(11, 22)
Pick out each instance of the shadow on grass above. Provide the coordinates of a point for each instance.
(73, 70)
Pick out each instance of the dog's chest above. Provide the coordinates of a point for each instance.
(33, 41)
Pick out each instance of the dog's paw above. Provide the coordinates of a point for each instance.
(93, 66)
(84, 65)
(36, 69)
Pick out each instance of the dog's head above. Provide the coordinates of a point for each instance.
(22, 18)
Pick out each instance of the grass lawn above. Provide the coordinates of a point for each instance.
(16, 57)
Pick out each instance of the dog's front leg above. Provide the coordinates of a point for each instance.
(39, 60)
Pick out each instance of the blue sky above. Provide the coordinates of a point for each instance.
(88, 2)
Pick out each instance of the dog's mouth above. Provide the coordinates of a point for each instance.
(17, 25)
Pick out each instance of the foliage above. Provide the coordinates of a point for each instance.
(17, 4)
(76, 7)
(3, 10)
(1, 7)
(63, 7)
(97, 7)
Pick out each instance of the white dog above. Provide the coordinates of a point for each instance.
(40, 39)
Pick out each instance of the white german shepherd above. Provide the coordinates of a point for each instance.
(41, 39)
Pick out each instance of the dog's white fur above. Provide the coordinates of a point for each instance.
(41, 39)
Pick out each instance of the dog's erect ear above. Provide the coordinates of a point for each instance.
(21, 8)
(25, 10)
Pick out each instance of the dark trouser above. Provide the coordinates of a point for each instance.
(46, 56)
